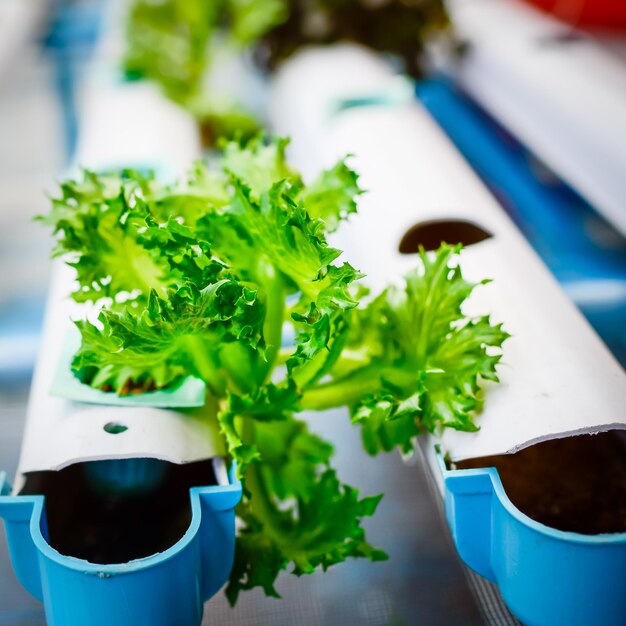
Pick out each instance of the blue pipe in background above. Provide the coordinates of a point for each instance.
(72, 34)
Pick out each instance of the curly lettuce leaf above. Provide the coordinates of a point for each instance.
(332, 196)
(174, 336)
(322, 532)
(296, 513)
(245, 218)
(258, 165)
(414, 361)
(96, 220)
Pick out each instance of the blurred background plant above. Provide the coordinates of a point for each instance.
(194, 49)
(181, 44)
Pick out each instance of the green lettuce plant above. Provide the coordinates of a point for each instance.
(228, 276)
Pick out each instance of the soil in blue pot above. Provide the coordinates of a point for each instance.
(575, 484)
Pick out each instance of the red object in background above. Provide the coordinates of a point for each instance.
(605, 14)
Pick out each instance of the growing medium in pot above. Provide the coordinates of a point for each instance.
(228, 276)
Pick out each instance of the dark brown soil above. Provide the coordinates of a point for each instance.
(107, 528)
(576, 484)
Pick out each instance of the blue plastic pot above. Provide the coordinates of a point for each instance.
(547, 577)
(165, 589)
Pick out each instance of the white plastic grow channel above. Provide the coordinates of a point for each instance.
(61, 431)
(559, 91)
(124, 450)
(557, 377)
(130, 124)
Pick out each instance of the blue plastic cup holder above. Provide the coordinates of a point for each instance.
(160, 590)
(547, 577)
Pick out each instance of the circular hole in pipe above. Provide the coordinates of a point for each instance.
(432, 233)
(114, 428)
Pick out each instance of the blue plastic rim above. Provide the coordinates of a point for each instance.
(547, 577)
(167, 588)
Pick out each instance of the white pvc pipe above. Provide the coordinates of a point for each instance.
(123, 125)
(560, 92)
(557, 376)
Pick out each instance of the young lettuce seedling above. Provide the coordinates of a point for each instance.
(208, 277)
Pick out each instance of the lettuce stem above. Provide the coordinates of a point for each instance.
(351, 388)
(340, 393)
(261, 501)
(274, 315)
(205, 367)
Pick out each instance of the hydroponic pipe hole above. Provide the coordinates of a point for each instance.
(115, 428)
(86, 521)
(432, 233)
(575, 484)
